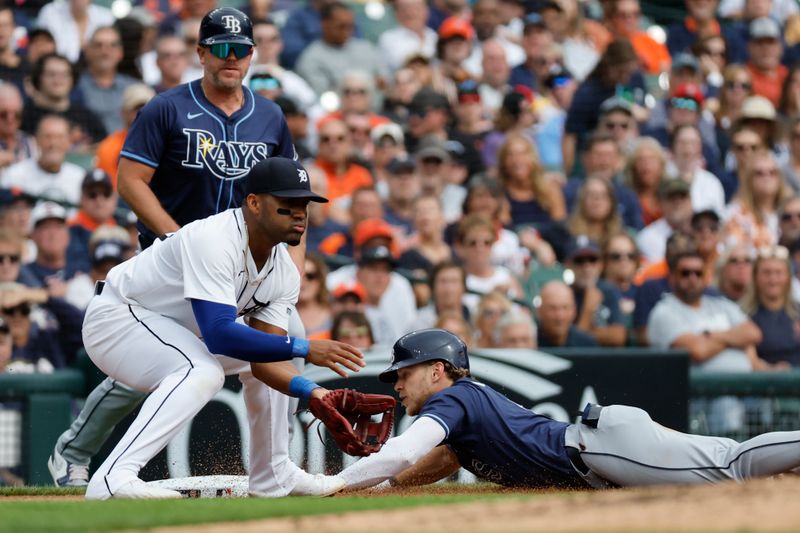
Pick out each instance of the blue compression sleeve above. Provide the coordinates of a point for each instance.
(224, 336)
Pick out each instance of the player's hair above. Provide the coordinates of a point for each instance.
(38, 69)
(452, 372)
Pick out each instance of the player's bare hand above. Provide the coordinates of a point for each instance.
(334, 355)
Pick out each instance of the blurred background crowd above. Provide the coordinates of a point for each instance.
(547, 173)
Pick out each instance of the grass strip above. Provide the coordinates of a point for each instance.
(64, 516)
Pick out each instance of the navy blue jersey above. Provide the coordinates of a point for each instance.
(199, 154)
(501, 441)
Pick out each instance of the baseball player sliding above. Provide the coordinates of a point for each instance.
(465, 423)
(164, 322)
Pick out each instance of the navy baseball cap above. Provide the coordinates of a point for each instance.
(282, 177)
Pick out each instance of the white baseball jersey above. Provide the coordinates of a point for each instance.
(210, 260)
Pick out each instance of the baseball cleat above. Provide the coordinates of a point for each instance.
(317, 485)
(137, 489)
(66, 474)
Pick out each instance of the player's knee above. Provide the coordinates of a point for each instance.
(207, 379)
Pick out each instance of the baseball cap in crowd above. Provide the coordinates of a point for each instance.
(387, 129)
(109, 250)
(346, 289)
(371, 228)
(136, 96)
(468, 92)
(515, 101)
(757, 107)
(98, 177)
(764, 28)
(47, 210)
(687, 96)
(705, 213)
(427, 98)
(616, 103)
(401, 164)
(282, 177)
(456, 150)
(558, 76)
(10, 196)
(376, 254)
(533, 20)
(456, 27)
(289, 106)
(672, 186)
(685, 60)
(583, 246)
(431, 147)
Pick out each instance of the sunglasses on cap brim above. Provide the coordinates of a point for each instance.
(223, 50)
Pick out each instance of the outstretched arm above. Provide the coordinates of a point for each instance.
(440, 463)
(398, 454)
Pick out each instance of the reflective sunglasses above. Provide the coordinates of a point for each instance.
(223, 50)
(264, 84)
(685, 103)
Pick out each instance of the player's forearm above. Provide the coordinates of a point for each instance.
(438, 464)
(138, 195)
(398, 454)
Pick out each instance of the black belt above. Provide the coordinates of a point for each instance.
(575, 458)
(98, 287)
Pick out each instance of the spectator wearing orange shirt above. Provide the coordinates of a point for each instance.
(765, 48)
(624, 21)
(133, 99)
(333, 157)
(97, 205)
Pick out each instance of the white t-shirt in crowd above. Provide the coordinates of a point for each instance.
(29, 177)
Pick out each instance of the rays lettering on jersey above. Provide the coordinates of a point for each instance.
(226, 160)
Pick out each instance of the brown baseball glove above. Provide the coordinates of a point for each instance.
(347, 414)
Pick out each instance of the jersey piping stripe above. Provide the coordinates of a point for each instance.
(688, 468)
(89, 416)
(224, 136)
(188, 371)
(441, 423)
(138, 158)
(235, 134)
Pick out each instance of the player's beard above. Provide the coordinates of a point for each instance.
(226, 83)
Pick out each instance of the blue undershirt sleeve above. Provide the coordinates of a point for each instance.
(224, 336)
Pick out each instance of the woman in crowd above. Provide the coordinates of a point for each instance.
(533, 198)
(752, 217)
(734, 272)
(35, 348)
(313, 303)
(791, 169)
(711, 51)
(595, 214)
(456, 323)
(645, 168)
(515, 116)
(582, 39)
(736, 87)
(474, 241)
(789, 106)
(621, 261)
(427, 247)
(491, 308)
(769, 304)
(353, 328)
(447, 287)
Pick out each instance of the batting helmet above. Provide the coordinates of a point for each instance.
(226, 25)
(426, 345)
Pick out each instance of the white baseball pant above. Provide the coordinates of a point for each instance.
(152, 353)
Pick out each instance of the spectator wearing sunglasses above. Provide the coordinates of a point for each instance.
(617, 120)
(97, 206)
(597, 301)
(770, 304)
(715, 331)
(621, 260)
(34, 348)
(789, 224)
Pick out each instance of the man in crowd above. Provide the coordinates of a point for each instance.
(15, 145)
(557, 313)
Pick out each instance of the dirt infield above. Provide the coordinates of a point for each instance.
(763, 505)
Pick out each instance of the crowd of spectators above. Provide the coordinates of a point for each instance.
(527, 174)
